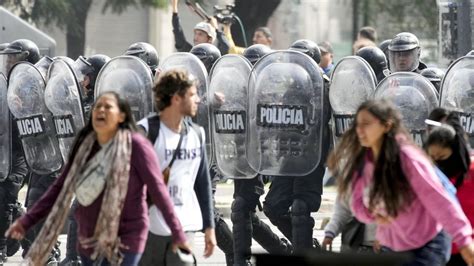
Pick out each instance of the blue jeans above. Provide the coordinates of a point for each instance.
(129, 259)
(434, 253)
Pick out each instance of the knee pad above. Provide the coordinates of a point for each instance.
(240, 205)
(239, 209)
(300, 208)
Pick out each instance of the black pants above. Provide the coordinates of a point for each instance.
(246, 224)
(301, 195)
(8, 198)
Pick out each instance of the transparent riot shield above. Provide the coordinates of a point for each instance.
(63, 99)
(5, 131)
(43, 65)
(130, 77)
(352, 82)
(286, 115)
(195, 67)
(415, 97)
(457, 92)
(228, 104)
(34, 121)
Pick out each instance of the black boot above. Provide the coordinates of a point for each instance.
(302, 224)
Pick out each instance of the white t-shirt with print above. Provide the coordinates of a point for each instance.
(182, 177)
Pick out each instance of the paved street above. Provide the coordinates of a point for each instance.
(224, 199)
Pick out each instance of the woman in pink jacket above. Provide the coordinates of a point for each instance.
(394, 184)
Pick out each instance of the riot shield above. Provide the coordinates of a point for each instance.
(43, 65)
(63, 99)
(228, 104)
(352, 82)
(195, 67)
(457, 92)
(415, 97)
(34, 121)
(286, 114)
(5, 131)
(130, 77)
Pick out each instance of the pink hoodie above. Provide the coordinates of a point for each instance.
(430, 211)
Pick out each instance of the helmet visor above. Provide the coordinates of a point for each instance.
(404, 60)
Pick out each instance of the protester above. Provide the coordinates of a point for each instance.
(394, 184)
(180, 146)
(448, 148)
(204, 32)
(109, 170)
(262, 35)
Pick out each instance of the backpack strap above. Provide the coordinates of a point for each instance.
(153, 128)
(196, 128)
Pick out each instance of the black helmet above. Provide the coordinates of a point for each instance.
(307, 47)
(207, 53)
(17, 51)
(376, 59)
(434, 75)
(255, 52)
(25, 50)
(384, 47)
(145, 52)
(404, 52)
(97, 61)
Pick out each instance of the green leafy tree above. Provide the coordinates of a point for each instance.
(71, 15)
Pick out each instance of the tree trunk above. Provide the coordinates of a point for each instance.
(76, 28)
(355, 19)
(253, 14)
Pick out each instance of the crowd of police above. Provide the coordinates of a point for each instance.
(270, 116)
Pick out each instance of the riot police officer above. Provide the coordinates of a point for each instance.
(208, 54)
(404, 53)
(291, 200)
(247, 192)
(14, 52)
